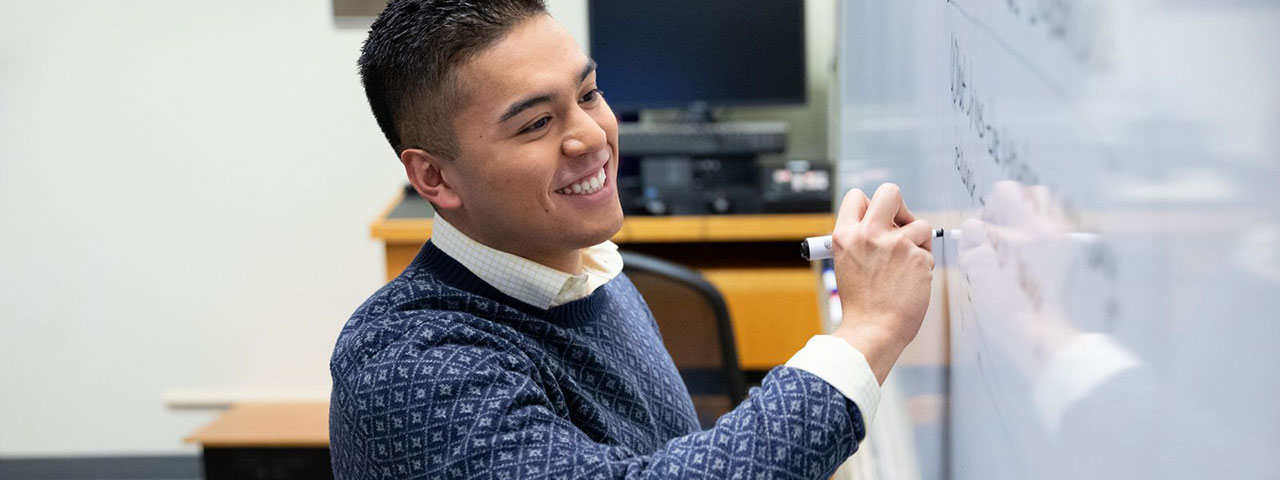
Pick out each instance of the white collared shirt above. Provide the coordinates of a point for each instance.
(523, 279)
(826, 357)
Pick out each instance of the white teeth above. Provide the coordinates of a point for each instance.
(585, 187)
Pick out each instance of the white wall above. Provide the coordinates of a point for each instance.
(185, 193)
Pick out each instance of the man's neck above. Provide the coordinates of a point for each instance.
(569, 262)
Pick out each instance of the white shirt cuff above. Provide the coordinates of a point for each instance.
(845, 368)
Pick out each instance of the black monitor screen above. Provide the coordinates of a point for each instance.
(672, 53)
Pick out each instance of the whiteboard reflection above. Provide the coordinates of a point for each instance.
(1021, 251)
(1112, 167)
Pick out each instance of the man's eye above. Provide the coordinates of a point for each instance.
(542, 122)
(591, 95)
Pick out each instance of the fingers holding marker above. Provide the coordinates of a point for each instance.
(888, 208)
(904, 215)
(884, 219)
(852, 209)
(920, 233)
(926, 257)
(885, 206)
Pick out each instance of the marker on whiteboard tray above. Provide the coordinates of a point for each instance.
(818, 248)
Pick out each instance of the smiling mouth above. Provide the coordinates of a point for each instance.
(587, 186)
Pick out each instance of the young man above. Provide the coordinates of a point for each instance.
(512, 347)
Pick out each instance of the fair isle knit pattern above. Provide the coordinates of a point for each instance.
(439, 375)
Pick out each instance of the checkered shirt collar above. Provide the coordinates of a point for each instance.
(523, 279)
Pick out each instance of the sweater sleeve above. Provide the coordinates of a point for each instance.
(469, 412)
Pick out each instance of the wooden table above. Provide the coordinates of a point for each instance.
(772, 294)
(279, 441)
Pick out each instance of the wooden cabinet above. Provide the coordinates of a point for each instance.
(753, 259)
(283, 441)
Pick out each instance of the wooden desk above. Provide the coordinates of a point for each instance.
(267, 440)
(754, 260)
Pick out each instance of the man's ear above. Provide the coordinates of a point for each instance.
(426, 174)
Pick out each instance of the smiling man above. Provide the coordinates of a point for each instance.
(512, 346)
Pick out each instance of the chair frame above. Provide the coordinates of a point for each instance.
(736, 381)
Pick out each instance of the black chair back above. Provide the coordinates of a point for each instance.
(696, 330)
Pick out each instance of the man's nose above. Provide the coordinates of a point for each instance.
(585, 135)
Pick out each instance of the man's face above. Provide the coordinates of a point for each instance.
(532, 132)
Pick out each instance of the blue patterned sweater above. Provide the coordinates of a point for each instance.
(439, 375)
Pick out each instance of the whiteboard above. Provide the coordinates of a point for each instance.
(1113, 298)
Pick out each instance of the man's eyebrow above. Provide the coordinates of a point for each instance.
(586, 71)
(528, 103)
(523, 105)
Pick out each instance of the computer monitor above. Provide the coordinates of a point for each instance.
(679, 53)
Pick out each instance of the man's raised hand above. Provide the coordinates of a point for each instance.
(884, 267)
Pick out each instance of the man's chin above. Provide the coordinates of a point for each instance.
(607, 226)
(610, 228)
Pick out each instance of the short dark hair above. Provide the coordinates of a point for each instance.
(407, 63)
